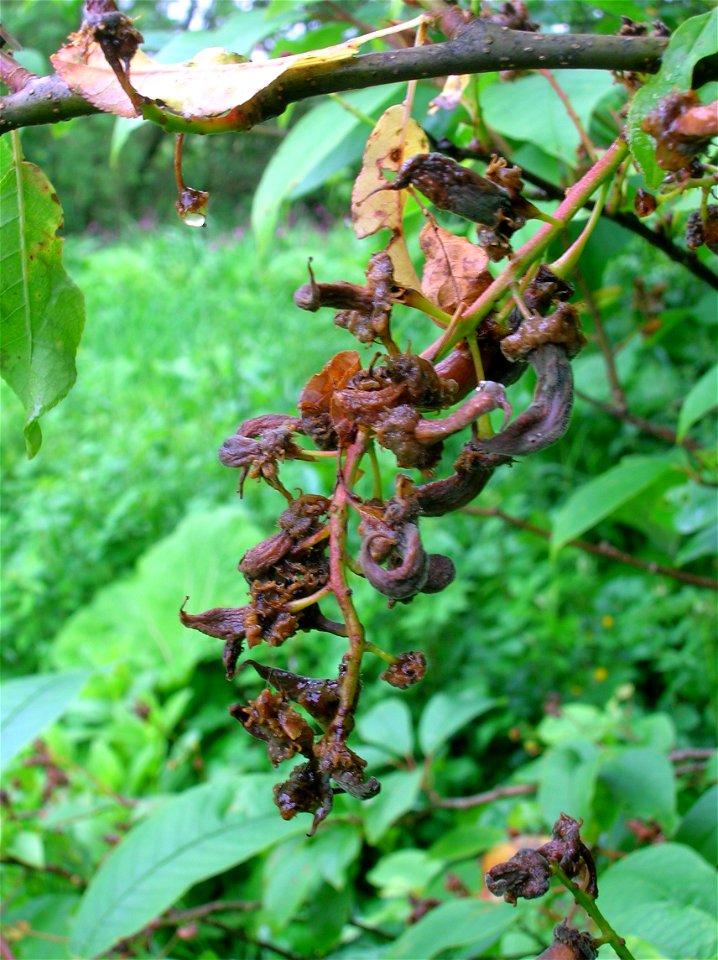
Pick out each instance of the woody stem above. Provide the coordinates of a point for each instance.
(343, 721)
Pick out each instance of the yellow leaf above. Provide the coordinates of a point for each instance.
(211, 84)
(404, 272)
(390, 143)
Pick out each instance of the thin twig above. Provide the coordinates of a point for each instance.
(602, 549)
(262, 944)
(629, 221)
(691, 753)
(523, 258)
(619, 397)
(338, 12)
(588, 903)
(375, 931)
(178, 917)
(74, 878)
(480, 799)
(573, 116)
(687, 768)
(645, 426)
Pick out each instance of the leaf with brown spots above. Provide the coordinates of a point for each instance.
(455, 271)
(390, 143)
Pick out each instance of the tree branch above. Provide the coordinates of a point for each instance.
(598, 549)
(480, 47)
(480, 799)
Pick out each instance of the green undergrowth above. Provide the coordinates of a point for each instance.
(565, 671)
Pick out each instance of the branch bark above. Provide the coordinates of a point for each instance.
(480, 47)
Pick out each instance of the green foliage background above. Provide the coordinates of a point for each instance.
(559, 669)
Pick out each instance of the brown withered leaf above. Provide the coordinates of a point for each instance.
(270, 718)
(389, 144)
(320, 698)
(455, 271)
(317, 394)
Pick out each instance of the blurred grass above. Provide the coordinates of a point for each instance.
(187, 335)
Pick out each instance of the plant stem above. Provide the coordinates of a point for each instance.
(295, 606)
(565, 265)
(591, 908)
(378, 652)
(480, 48)
(602, 549)
(568, 106)
(343, 721)
(576, 196)
(354, 111)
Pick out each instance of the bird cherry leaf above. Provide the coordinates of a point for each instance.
(214, 92)
(391, 142)
(455, 270)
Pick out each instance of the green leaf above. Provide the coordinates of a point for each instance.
(294, 869)
(466, 841)
(29, 704)
(42, 312)
(399, 792)
(641, 783)
(664, 895)
(239, 33)
(404, 872)
(700, 400)
(576, 720)
(530, 110)
(453, 924)
(567, 781)
(137, 617)
(388, 725)
(691, 41)
(603, 495)
(308, 145)
(186, 840)
(445, 714)
(289, 878)
(699, 827)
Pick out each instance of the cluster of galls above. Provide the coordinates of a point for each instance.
(682, 128)
(399, 402)
(493, 202)
(528, 874)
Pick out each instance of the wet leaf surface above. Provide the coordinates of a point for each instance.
(455, 271)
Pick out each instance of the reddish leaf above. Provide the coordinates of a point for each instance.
(455, 271)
